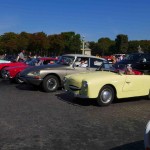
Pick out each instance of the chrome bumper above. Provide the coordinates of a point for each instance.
(76, 94)
(31, 80)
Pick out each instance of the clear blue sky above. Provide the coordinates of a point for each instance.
(91, 18)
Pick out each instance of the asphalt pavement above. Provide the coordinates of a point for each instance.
(34, 120)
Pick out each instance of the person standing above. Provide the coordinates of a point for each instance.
(21, 56)
(29, 57)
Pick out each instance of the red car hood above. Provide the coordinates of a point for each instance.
(11, 64)
(17, 67)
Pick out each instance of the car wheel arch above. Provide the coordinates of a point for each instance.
(114, 88)
(2, 70)
(114, 94)
(16, 78)
(56, 75)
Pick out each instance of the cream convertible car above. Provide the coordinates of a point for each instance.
(106, 85)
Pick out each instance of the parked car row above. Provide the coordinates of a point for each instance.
(82, 75)
(11, 70)
(50, 77)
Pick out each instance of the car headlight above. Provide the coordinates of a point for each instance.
(85, 84)
(34, 73)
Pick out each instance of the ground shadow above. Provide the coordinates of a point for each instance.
(138, 145)
(27, 87)
(69, 98)
(132, 99)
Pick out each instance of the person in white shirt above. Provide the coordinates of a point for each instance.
(21, 56)
(83, 64)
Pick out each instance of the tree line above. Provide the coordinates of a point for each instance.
(67, 42)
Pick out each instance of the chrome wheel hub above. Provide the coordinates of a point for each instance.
(51, 84)
(106, 95)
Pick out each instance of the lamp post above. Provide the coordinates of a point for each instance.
(83, 45)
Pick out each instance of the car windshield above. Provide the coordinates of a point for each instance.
(106, 67)
(66, 60)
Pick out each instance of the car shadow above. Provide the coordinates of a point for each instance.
(138, 145)
(27, 87)
(69, 98)
(130, 100)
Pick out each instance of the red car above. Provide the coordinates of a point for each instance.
(4, 65)
(12, 72)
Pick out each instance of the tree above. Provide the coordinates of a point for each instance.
(9, 42)
(104, 45)
(56, 45)
(39, 43)
(133, 46)
(122, 43)
(71, 41)
(94, 48)
(23, 41)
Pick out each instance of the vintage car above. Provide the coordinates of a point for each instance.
(12, 73)
(105, 86)
(50, 77)
(11, 64)
(147, 137)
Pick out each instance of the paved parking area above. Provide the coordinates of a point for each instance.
(33, 120)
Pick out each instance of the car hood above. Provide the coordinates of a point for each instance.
(44, 67)
(16, 67)
(92, 76)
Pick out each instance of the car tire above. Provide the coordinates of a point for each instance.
(2, 71)
(106, 96)
(17, 80)
(50, 83)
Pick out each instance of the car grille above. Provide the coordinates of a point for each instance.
(74, 88)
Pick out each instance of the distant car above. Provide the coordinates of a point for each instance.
(11, 58)
(50, 77)
(104, 86)
(4, 61)
(147, 137)
(139, 61)
(12, 72)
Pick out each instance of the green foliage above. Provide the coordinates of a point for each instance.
(67, 42)
(9, 42)
(56, 45)
(71, 42)
(104, 45)
(122, 43)
(94, 47)
(23, 41)
(38, 43)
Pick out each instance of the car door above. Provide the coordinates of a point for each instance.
(135, 83)
(77, 67)
(94, 63)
